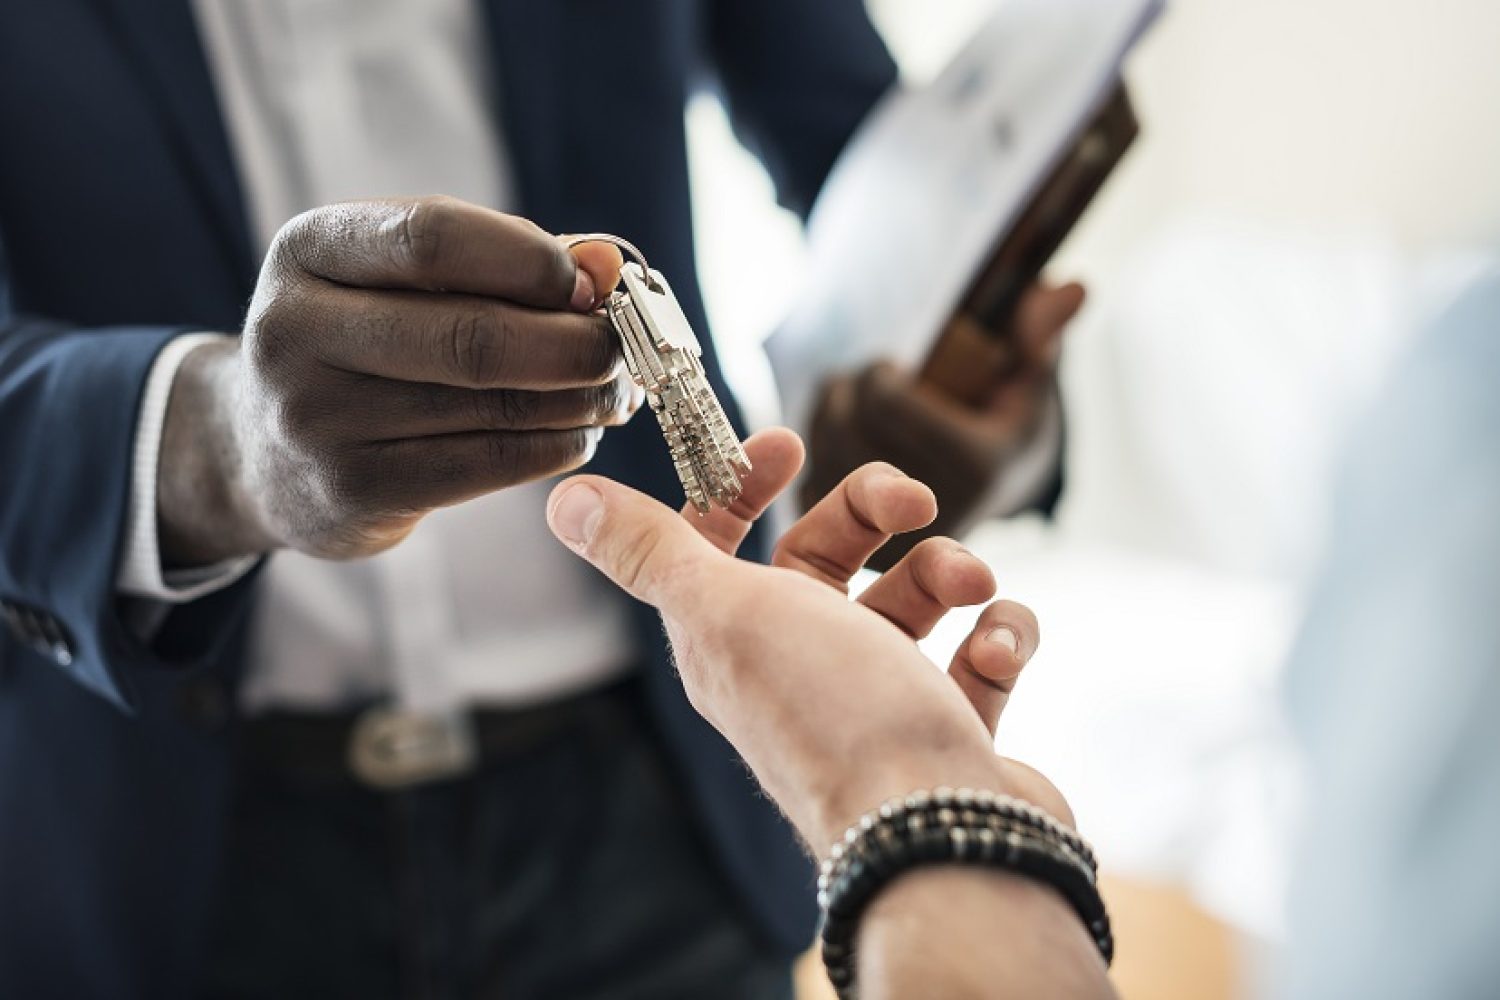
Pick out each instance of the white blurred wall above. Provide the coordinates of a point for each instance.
(1325, 111)
(1310, 175)
(1295, 111)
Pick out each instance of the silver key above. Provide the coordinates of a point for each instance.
(665, 359)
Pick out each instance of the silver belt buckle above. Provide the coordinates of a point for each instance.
(392, 749)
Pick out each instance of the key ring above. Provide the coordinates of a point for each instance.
(625, 245)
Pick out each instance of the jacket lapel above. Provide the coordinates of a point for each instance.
(531, 95)
(568, 75)
(160, 40)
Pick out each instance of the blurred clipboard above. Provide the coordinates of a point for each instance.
(952, 196)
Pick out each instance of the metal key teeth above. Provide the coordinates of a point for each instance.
(704, 449)
(727, 442)
(719, 448)
(693, 462)
(697, 458)
(697, 432)
(681, 449)
(684, 453)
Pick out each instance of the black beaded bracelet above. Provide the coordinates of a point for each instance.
(948, 826)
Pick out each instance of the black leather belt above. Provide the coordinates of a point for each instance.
(386, 747)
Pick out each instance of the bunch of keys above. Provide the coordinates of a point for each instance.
(664, 359)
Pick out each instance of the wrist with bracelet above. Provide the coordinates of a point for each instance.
(948, 826)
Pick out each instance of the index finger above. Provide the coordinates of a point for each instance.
(839, 534)
(776, 453)
(458, 340)
(437, 245)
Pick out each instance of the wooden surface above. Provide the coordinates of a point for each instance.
(1166, 948)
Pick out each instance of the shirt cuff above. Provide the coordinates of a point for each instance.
(141, 573)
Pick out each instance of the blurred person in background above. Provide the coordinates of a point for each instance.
(1394, 686)
(451, 766)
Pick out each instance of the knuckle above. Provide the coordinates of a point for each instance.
(602, 402)
(598, 357)
(292, 246)
(543, 262)
(270, 338)
(505, 458)
(351, 482)
(926, 557)
(479, 344)
(521, 457)
(638, 564)
(557, 271)
(282, 356)
(508, 408)
(550, 452)
(425, 233)
(859, 491)
(396, 479)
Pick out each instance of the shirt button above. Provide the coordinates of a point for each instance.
(53, 639)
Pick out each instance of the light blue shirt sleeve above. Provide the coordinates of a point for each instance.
(1394, 689)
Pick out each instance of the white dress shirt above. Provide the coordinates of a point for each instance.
(336, 100)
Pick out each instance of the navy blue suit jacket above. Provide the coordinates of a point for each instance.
(122, 225)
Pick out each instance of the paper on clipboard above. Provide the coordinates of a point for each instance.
(935, 174)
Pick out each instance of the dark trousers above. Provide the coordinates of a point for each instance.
(566, 866)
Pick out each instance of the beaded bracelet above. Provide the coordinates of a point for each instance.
(948, 826)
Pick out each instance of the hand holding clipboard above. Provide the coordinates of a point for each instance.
(928, 241)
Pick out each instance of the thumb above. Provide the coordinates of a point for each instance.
(599, 267)
(649, 551)
(1041, 316)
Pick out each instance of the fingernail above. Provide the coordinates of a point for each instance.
(576, 515)
(1004, 636)
(583, 292)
